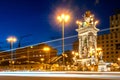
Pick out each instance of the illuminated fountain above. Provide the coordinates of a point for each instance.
(89, 57)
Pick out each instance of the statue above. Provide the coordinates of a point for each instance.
(85, 52)
(88, 19)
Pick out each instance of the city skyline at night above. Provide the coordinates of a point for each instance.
(60, 39)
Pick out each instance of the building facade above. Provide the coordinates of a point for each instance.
(36, 54)
(110, 43)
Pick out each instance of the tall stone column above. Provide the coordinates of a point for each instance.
(87, 33)
(80, 46)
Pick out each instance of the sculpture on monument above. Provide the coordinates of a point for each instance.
(87, 35)
(88, 19)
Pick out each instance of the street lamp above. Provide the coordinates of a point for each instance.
(47, 49)
(118, 61)
(75, 54)
(63, 18)
(42, 60)
(11, 40)
(100, 54)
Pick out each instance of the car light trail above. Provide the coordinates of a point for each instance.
(104, 75)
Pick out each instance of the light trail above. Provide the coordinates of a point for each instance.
(49, 42)
(56, 40)
(64, 74)
(60, 39)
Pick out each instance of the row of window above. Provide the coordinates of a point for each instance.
(115, 23)
(109, 37)
(107, 45)
(108, 49)
(115, 17)
(113, 26)
(110, 56)
(106, 37)
(110, 60)
(38, 55)
(115, 30)
(107, 41)
(112, 52)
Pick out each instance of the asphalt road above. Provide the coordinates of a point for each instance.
(44, 78)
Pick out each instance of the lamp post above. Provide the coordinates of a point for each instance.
(75, 55)
(118, 61)
(42, 60)
(11, 40)
(63, 18)
(100, 54)
(47, 49)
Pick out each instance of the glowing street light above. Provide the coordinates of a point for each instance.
(11, 40)
(99, 50)
(63, 18)
(42, 60)
(118, 59)
(47, 49)
(75, 53)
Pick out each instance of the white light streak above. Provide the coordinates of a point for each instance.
(49, 42)
(98, 75)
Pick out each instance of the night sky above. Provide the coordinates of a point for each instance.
(36, 18)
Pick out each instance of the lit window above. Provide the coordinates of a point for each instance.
(33, 55)
(36, 55)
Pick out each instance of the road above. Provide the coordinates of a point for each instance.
(69, 75)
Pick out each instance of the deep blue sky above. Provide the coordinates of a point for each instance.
(36, 17)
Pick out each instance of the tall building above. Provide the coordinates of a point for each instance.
(110, 43)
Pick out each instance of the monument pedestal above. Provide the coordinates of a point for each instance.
(102, 66)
